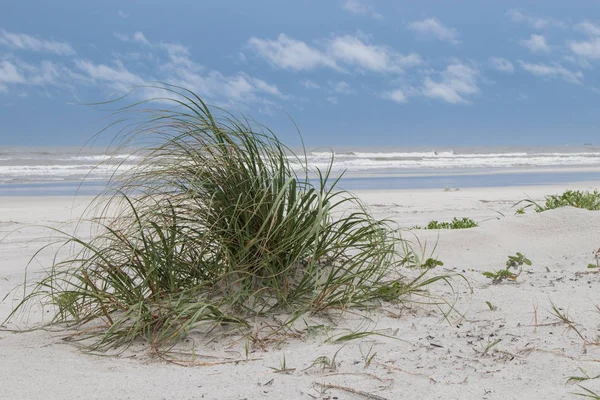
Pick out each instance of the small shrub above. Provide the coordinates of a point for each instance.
(514, 262)
(456, 223)
(574, 198)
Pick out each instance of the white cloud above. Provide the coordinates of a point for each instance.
(432, 27)
(296, 55)
(21, 41)
(140, 38)
(308, 84)
(553, 71)
(332, 100)
(122, 14)
(536, 44)
(18, 72)
(353, 51)
(534, 22)
(117, 77)
(457, 82)
(341, 87)
(502, 65)
(122, 37)
(396, 95)
(137, 37)
(587, 49)
(288, 53)
(10, 74)
(588, 28)
(171, 62)
(180, 69)
(361, 7)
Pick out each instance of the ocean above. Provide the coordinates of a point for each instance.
(67, 171)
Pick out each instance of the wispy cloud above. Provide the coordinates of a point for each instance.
(22, 41)
(536, 44)
(590, 48)
(534, 22)
(361, 7)
(9, 74)
(355, 52)
(137, 37)
(502, 65)
(180, 69)
(117, 76)
(433, 28)
(18, 72)
(288, 53)
(123, 14)
(308, 84)
(340, 87)
(587, 49)
(553, 71)
(396, 95)
(350, 51)
(458, 82)
(588, 28)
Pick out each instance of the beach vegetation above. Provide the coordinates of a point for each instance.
(463, 223)
(573, 198)
(597, 259)
(586, 391)
(419, 259)
(218, 225)
(368, 355)
(515, 262)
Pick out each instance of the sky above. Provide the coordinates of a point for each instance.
(346, 72)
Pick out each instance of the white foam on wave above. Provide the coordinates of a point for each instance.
(103, 157)
(451, 160)
(59, 172)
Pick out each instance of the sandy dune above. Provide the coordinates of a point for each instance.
(419, 353)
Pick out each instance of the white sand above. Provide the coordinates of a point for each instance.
(435, 358)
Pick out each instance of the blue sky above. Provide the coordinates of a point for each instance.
(349, 72)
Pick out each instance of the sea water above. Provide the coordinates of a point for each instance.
(67, 171)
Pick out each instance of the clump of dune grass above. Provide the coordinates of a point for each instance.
(219, 223)
(574, 198)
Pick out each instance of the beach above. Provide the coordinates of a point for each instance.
(467, 340)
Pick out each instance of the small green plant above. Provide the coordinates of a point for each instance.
(564, 318)
(574, 198)
(490, 344)
(515, 262)
(367, 355)
(597, 258)
(520, 211)
(456, 223)
(491, 306)
(423, 259)
(586, 392)
(325, 362)
(282, 367)
(585, 377)
(432, 263)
